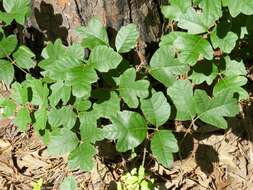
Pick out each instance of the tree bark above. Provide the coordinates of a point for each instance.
(59, 18)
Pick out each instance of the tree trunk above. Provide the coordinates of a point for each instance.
(59, 18)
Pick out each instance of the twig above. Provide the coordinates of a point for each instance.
(144, 156)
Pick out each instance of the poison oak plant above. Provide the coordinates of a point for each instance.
(71, 104)
(135, 180)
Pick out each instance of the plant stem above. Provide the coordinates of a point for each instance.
(144, 156)
(182, 140)
(13, 61)
(171, 25)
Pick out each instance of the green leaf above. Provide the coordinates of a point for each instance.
(54, 50)
(132, 130)
(59, 60)
(59, 92)
(197, 23)
(6, 18)
(130, 89)
(37, 185)
(23, 57)
(204, 72)
(40, 92)
(226, 44)
(169, 39)
(193, 48)
(82, 157)
(175, 9)
(224, 3)
(82, 104)
(233, 85)
(126, 38)
(212, 11)
(104, 58)
(40, 119)
(88, 127)
(234, 67)
(46, 136)
(62, 142)
(213, 111)
(58, 69)
(62, 117)
(183, 102)
(22, 119)
(75, 50)
(8, 45)
(69, 183)
(9, 107)
(108, 107)
(16, 9)
(111, 132)
(6, 71)
(19, 93)
(90, 133)
(163, 144)
(193, 22)
(156, 109)
(237, 6)
(94, 34)
(55, 117)
(81, 78)
(165, 68)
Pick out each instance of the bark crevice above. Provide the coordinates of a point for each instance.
(78, 12)
(113, 13)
